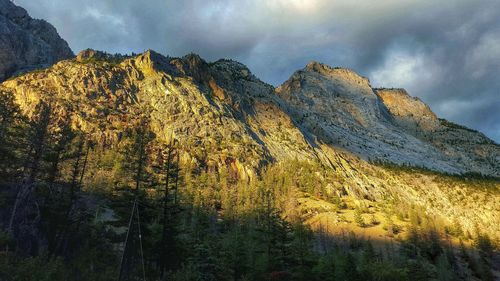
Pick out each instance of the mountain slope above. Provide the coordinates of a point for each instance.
(225, 117)
(217, 109)
(468, 148)
(26, 43)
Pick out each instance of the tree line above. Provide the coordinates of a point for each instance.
(139, 209)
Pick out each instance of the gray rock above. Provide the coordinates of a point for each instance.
(341, 109)
(27, 44)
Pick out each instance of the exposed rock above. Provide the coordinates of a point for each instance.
(341, 109)
(26, 43)
(468, 148)
(408, 112)
(89, 54)
(224, 104)
(225, 117)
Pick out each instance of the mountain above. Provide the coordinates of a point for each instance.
(343, 110)
(148, 167)
(25, 43)
(226, 118)
(223, 108)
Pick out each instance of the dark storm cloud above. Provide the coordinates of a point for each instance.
(445, 52)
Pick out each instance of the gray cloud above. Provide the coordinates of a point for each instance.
(446, 53)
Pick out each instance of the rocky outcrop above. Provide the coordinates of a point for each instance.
(223, 108)
(337, 94)
(216, 109)
(340, 108)
(26, 43)
(408, 112)
(470, 149)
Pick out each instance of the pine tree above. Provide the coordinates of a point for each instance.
(444, 269)
(25, 212)
(13, 137)
(169, 165)
(63, 210)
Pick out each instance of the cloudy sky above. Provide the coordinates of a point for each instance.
(445, 52)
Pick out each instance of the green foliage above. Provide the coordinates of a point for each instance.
(391, 227)
(452, 125)
(471, 178)
(217, 228)
(385, 271)
(444, 269)
(13, 138)
(6, 240)
(484, 245)
(32, 268)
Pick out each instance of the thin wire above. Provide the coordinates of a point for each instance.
(140, 244)
(126, 240)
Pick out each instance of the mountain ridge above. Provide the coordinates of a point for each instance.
(314, 97)
(224, 118)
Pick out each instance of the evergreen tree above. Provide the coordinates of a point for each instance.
(25, 214)
(13, 138)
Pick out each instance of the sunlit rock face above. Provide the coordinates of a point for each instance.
(408, 112)
(341, 109)
(228, 114)
(26, 43)
(220, 112)
(468, 148)
(337, 94)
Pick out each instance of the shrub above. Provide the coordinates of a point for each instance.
(358, 218)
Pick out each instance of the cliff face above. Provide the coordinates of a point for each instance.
(341, 109)
(220, 112)
(408, 112)
(26, 43)
(470, 150)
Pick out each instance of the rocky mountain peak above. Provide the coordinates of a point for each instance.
(334, 93)
(194, 60)
(340, 73)
(26, 43)
(341, 108)
(234, 68)
(192, 65)
(320, 149)
(88, 54)
(335, 106)
(151, 61)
